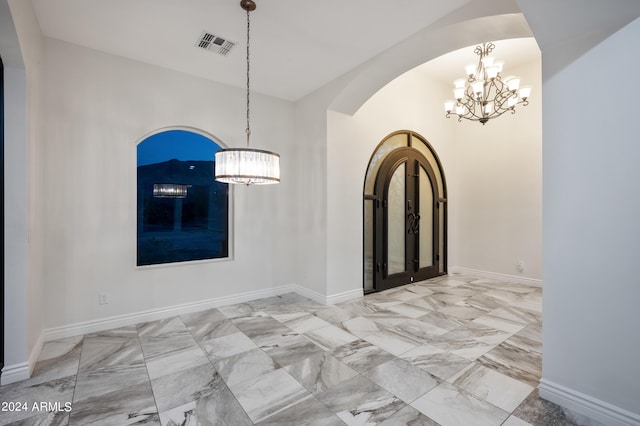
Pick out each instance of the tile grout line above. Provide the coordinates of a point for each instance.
(198, 342)
(146, 368)
(75, 382)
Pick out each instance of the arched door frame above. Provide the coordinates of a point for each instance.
(393, 149)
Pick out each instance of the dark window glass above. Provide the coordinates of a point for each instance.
(182, 210)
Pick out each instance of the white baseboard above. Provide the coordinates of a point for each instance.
(15, 373)
(310, 294)
(35, 352)
(496, 276)
(22, 371)
(102, 324)
(329, 300)
(586, 405)
(344, 296)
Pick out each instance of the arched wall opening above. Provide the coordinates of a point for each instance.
(428, 44)
(391, 93)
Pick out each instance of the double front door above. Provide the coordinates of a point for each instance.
(406, 220)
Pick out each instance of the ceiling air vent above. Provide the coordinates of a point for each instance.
(214, 43)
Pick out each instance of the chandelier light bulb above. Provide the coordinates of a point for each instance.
(513, 83)
(448, 106)
(458, 93)
(525, 92)
(477, 87)
(459, 110)
(492, 72)
(471, 69)
(460, 83)
(487, 61)
(512, 101)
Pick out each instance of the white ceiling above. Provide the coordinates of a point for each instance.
(297, 46)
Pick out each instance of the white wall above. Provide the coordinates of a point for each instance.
(15, 221)
(310, 224)
(591, 232)
(97, 107)
(496, 205)
(22, 55)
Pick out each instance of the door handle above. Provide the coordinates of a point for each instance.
(414, 223)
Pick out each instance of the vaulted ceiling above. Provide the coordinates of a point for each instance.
(297, 46)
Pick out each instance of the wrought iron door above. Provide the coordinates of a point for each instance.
(406, 220)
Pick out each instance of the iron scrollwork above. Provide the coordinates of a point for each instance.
(414, 223)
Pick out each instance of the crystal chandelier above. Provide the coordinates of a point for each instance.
(246, 165)
(484, 94)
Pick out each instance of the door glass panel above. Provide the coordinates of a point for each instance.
(424, 150)
(426, 220)
(396, 141)
(368, 244)
(441, 239)
(396, 222)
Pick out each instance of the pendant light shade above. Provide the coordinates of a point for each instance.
(247, 166)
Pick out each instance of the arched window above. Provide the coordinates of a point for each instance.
(183, 212)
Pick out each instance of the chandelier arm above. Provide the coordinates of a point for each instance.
(470, 106)
(503, 94)
(513, 111)
(499, 99)
(488, 48)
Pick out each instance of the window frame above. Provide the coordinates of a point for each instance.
(230, 204)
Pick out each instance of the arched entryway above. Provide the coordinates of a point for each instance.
(405, 213)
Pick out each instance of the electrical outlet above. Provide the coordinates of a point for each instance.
(520, 266)
(103, 298)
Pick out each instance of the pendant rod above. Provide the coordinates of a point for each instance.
(248, 5)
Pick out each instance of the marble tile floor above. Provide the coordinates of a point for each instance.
(454, 350)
